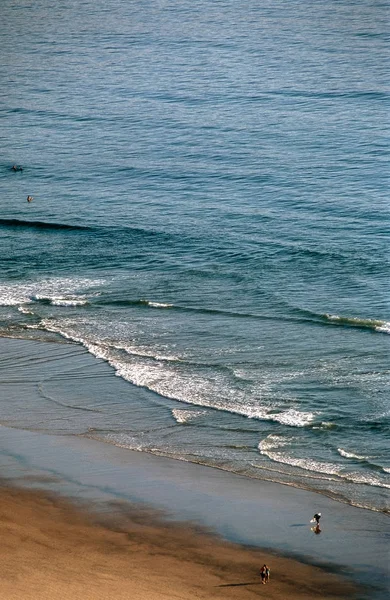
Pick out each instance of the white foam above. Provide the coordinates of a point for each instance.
(185, 416)
(377, 325)
(172, 382)
(271, 445)
(54, 289)
(294, 418)
(307, 464)
(306, 475)
(70, 301)
(324, 425)
(145, 352)
(273, 442)
(158, 304)
(384, 328)
(333, 317)
(8, 298)
(125, 441)
(157, 376)
(365, 479)
(25, 310)
(346, 454)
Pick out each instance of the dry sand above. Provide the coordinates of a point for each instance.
(53, 549)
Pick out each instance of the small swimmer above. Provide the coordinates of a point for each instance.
(17, 168)
(30, 198)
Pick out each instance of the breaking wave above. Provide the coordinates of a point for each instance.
(272, 448)
(374, 324)
(156, 304)
(175, 379)
(25, 311)
(58, 291)
(301, 316)
(346, 454)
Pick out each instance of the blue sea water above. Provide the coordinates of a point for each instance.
(211, 218)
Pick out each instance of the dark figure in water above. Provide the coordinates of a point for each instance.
(317, 518)
(17, 168)
(30, 198)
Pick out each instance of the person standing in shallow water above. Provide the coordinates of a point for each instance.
(317, 518)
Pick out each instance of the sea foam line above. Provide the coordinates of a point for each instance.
(165, 381)
(54, 291)
(273, 442)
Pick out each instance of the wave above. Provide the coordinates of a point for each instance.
(186, 416)
(156, 304)
(163, 375)
(42, 225)
(303, 316)
(63, 300)
(374, 324)
(58, 291)
(346, 454)
(103, 230)
(325, 425)
(196, 309)
(25, 310)
(379, 325)
(364, 459)
(271, 446)
(293, 417)
(159, 305)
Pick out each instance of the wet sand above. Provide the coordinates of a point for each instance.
(51, 548)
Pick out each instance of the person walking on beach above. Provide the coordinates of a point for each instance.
(263, 573)
(267, 573)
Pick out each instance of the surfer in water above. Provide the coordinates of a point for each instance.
(30, 198)
(17, 168)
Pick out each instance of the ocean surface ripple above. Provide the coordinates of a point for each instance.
(209, 218)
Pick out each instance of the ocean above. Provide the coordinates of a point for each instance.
(210, 217)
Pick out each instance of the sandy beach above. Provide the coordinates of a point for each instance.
(83, 519)
(53, 549)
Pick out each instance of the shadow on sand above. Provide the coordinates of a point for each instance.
(238, 584)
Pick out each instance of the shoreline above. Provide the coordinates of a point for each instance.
(122, 551)
(252, 516)
(264, 516)
(139, 396)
